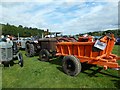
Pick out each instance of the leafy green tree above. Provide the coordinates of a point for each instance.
(23, 31)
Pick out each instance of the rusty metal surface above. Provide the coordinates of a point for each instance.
(48, 43)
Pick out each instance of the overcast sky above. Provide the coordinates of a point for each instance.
(67, 16)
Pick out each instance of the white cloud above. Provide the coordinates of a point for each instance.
(77, 17)
(46, 1)
(99, 18)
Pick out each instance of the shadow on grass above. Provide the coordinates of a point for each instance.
(95, 71)
(90, 70)
(116, 83)
(88, 67)
(85, 67)
(60, 69)
(22, 49)
(56, 61)
(11, 63)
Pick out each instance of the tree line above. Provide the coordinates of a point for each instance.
(8, 29)
(116, 33)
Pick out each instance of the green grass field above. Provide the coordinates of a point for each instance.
(37, 74)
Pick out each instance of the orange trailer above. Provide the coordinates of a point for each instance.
(97, 53)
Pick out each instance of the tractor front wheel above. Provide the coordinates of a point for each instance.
(20, 59)
(71, 65)
(44, 55)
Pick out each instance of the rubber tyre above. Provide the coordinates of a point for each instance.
(15, 48)
(20, 59)
(71, 65)
(6, 64)
(30, 50)
(44, 55)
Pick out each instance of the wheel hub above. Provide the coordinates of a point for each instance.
(69, 66)
(43, 56)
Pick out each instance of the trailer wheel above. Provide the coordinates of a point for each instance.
(20, 59)
(44, 55)
(71, 65)
(30, 50)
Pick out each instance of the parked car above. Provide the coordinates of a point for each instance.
(117, 41)
(21, 42)
(97, 37)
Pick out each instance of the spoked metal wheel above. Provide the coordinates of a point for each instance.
(71, 65)
(44, 55)
(20, 59)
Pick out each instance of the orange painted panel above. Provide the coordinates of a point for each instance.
(95, 54)
(88, 50)
(82, 50)
(75, 50)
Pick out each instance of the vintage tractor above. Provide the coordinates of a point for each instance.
(33, 47)
(9, 53)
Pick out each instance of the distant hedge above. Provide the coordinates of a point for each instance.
(116, 32)
(8, 29)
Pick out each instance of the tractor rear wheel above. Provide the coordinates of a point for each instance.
(44, 55)
(71, 65)
(15, 48)
(30, 50)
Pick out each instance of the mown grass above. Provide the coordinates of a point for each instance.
(37, 74)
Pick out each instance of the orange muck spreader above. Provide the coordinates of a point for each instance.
(96, 53)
